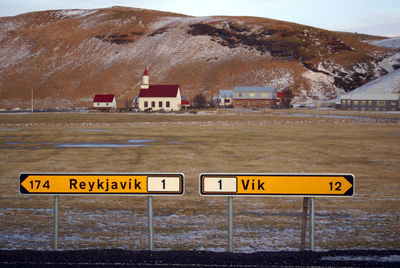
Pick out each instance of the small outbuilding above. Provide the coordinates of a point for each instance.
(370, 102)
(184, 103)
(107, 101)
(225, 98)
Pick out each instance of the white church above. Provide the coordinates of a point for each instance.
(158, 97)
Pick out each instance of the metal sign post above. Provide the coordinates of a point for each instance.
(150, 221)
(312, 223)
(56, 213)
(304, 224)
(32, 100)
(230, 223)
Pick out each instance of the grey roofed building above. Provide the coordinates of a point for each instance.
(370, 102)
(363, 96)
(268, 92)
(255, 97)
(225, 94)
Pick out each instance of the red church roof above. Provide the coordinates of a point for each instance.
(103, 98)
(146, 72)
(157, 91)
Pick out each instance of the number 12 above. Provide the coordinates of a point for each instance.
(338, 184)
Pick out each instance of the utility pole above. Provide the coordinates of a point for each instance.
(32, 99)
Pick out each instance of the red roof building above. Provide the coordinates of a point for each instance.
(104, 101)
(104, 98)
(185, 103)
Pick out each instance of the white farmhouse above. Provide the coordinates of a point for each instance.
(159, 97)
(105, 101)
(225, 98)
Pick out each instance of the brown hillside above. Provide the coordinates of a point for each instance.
(67, 56)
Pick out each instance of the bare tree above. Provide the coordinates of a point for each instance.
(286, 99)
(212, 103)
(199, 101)
(127, 105)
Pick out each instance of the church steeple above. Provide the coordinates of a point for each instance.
(145, 79)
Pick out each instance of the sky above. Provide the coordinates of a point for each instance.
(376, 17)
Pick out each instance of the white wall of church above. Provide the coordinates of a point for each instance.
(157, 104)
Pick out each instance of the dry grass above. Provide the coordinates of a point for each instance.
(368, 147)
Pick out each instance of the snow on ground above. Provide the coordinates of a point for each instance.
(393, 42)
(127, 229)
(388, 84)
(16, 53)
(76, 12)
(176, 21)
(321, 85)
(8, 26)
(389, 62)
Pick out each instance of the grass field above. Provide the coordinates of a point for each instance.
(367, 145)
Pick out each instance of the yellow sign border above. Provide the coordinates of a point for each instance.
(24, 175)
(348, 176)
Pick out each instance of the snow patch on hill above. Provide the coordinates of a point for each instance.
(389, 63)
(16, 53)
(76, 12)
(393, 42)
(321, 85)
(169, 41)
(388, 84)
(179, 21)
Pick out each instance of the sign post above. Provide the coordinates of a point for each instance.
(230, 223)
(150, 219)
(302, 185)
(102, 184)
(304, 224)
(312, 223)
(56, 216)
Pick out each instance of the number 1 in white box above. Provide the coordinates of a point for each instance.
(225, 185)
(163, 184)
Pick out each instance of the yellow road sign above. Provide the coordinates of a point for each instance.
(117, 184)
(277, 184)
